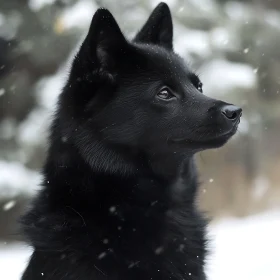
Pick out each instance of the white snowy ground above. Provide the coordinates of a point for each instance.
(246, 249)
(243, 249)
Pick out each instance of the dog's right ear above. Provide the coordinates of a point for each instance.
(104, 42)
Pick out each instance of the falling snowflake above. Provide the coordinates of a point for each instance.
(158, 250)
(9, 205)
(102, 255)
(2, 91)
(181, 247)
(133, 264)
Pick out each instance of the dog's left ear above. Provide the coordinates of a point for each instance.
(158, 29)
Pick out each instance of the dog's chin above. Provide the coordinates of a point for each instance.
(206, 142)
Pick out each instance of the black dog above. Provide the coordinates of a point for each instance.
(118, 196)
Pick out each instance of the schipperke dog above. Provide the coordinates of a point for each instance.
(118, 195)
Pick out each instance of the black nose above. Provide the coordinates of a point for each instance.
(231, 112)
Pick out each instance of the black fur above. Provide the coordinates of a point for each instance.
(118, 195)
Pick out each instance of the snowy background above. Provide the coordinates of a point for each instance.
(233, 45)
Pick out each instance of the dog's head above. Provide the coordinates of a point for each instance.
(139, 95)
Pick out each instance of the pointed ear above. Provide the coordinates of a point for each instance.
(104, 41)
(158, 29)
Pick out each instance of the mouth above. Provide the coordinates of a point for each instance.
(210, 140)
(231, 132)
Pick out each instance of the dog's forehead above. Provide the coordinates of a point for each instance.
(163, 61)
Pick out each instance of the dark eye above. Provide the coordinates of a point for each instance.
(165, 94)
(199, 87)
